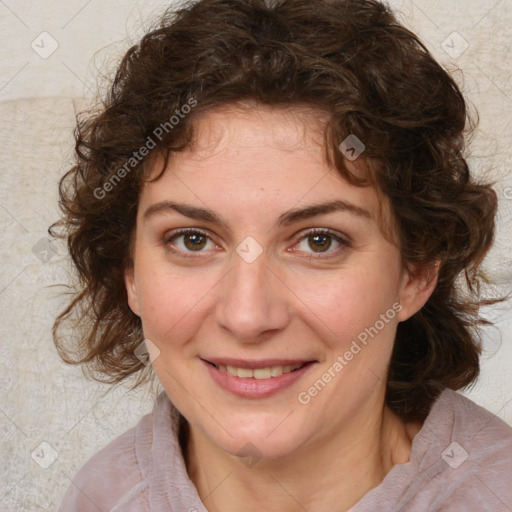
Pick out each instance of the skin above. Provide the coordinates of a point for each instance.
(249, 166)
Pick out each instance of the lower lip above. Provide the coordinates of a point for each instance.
(256, 388)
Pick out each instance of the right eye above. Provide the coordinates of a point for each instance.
(188, 241)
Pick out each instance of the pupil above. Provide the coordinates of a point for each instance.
(321, 242)
(195, 241)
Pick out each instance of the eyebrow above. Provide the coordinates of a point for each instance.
(285, 219)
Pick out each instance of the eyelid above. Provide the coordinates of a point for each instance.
(343, 240)
(168, 237)
(173, 233)
(322, 231)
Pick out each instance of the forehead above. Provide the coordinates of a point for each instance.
(294, 128)
(250, 139)
(257, 158)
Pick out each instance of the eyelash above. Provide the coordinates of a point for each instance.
(344, 243)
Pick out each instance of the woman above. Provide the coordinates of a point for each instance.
(274, 197)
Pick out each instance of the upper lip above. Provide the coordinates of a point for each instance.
(255, 363)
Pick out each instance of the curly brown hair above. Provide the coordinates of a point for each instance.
(374, 78)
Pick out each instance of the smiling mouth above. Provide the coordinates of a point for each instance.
(258, 373)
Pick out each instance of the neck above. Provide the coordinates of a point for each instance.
(327, 474)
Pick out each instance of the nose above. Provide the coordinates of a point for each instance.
(253, 303)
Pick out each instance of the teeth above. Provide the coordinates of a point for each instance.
(262, 373)
(244, 373)
(276, 371)
(259, 373)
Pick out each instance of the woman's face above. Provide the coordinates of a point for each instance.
(282, 266)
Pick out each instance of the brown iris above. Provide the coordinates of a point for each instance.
(319, 243)
(194, 241)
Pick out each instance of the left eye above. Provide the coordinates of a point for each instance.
(320, 242)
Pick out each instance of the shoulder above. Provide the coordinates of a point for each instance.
(482, 430)
(476, 455)
(109, 475)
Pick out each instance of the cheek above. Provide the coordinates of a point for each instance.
(356, 319)
(347, 303)
(355, 316)
(339, 306)
(172, 302)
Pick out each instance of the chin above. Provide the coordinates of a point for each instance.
(269, 438)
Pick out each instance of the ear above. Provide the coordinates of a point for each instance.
(416, 288)
(131, 290)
